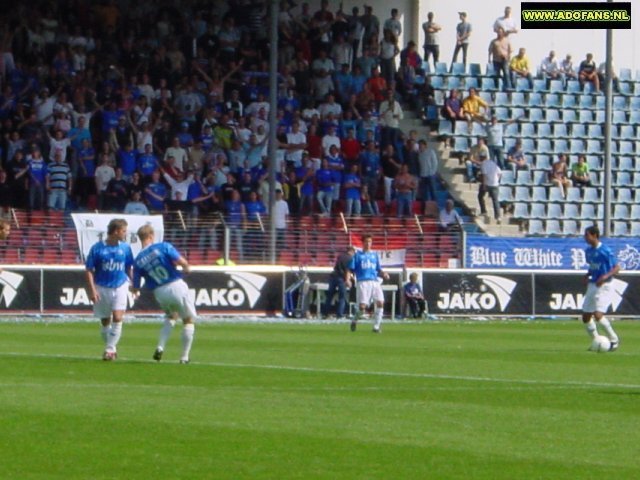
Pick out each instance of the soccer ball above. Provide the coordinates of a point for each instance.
(600, 344)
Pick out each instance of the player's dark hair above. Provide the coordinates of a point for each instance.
(593, 230)
(366, 236)
(116, 224)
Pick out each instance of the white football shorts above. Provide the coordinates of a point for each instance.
(111, 300)
(369, 291)
(174, 297)
(597, 299)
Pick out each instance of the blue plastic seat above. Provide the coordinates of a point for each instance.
(522, 85)
(620, 212)
(585, 116)
(505, 194)
(622, 179)
(520, 210)
(556, 86)
(586, 101)
(626, 148)
(595, 131)
(569, 101)
(620, 229)
(556, 195)
(535, 99)
(594, 162)
(574, 195)
(518, 99)
(552, 115)
(539, 85)
(542, 162)
(527, 130)
(441, 68)
(523, 177)
(624, 195)
(544, 145)
(619, 117)
(488, 83)
(570, 228)
(626, 163)
(538, 210)
(571, 210)
(619, 102)
(522, 194)
(461, 144)
(594, 147)
(627, 132)
(552, 100)
(544, 130)
(475, 70)
(635, 229)
(540, 177)
(569, 116)
(560, 146)
(553, 227)
(536, 227)
(502, 99)
(471, 82)
(587, 211)
(457, 68)
(445, 127)
(576, 146)
(578, 130)
(573, 86)
(538, 194)
(536, 115)
(560, 130)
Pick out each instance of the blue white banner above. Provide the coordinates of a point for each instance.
(543, 253)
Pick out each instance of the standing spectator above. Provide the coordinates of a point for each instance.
(370, 168)
(59, 183)
(500, 54)
(393, 24)
(516, 158)
(414, 296)
(549, 68)
(305, 176)
(519, 68)
(236, 218)
(491, 174)
(388, 52)
(86, 177)
(390, 113)
(463, 32)
(104, 174)
(559, 174)
(431, 40)
(602, 75)
(588, 72)
(135, 206)
(405, 185)
(18, 169)
(337, 282)
(580, 173)
(390, 168)
(117, 192)
(281, 215)
(371, 25)
(352, 185)
(178, 153)
(495, 139)
(324, 183)
(37, 179)
(506, 23)
(428, 162)
(155, 193)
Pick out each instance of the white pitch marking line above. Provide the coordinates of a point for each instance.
(467, 378)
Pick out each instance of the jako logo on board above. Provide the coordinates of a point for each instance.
(493, 292)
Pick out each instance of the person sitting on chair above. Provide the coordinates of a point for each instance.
(414, 297)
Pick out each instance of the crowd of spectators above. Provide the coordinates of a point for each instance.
(151, 106)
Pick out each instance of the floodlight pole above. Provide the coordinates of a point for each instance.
(273, 124)
(608, 96)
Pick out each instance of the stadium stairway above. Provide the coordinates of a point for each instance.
(452, 171)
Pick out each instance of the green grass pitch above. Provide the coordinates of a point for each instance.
(437, 400)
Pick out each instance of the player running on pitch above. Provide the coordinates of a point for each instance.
(157, 263)
(603, 265)
(365, 265)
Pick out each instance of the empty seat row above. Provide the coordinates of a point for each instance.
(570, 227)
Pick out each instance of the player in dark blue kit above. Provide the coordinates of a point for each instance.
(157, 264)
(603, 265)
(365, 265)
(108, 272)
